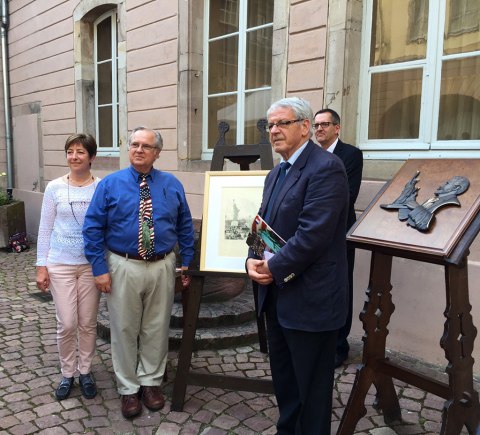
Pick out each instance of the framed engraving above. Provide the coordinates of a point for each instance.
(231, 202)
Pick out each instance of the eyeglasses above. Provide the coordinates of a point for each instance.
(147, 148)
(282, 124)
(323, 125)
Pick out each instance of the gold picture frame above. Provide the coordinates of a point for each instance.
(231, 201)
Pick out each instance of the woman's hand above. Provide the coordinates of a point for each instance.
(43, 279)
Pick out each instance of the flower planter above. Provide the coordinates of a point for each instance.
(12, 221)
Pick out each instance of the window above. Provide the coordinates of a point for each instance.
(420, 69)
(100, 73)
(237, 69)
(106, 89)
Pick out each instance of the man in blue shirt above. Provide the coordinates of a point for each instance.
(139, 292)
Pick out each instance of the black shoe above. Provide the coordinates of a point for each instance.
(64, 388)
(340, 359)
(87, 385)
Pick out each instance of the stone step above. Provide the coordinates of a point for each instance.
(219, 337)
(220, 324)
(232, 312)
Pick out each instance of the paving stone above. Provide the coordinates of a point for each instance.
(240, 411)
(190, 428)
(73, 426)
(49, 421)
(383, 431)
(225, 422)
(23, 429)
(258, 423)
(216, 406)
(168, 429)
(54, 431)
(8, 421)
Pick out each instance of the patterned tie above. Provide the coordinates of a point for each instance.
(278, 185)
(146, 242)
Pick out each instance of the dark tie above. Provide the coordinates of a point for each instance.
(278, 185)
(146, 242)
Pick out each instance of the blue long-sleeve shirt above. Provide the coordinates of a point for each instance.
(111, 221)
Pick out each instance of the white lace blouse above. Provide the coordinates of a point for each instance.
(60, 239)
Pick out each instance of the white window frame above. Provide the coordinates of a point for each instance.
(114, 150)
(426, 146)
(241, 93)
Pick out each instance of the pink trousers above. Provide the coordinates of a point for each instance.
(76, 303)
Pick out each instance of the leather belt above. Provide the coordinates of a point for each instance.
(156, 257)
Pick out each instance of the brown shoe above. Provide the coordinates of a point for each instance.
(153, 398)
(131, 406)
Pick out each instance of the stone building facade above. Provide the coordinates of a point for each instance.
(402, 75)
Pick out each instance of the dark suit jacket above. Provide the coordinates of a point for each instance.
(310, 271)
(352, 158)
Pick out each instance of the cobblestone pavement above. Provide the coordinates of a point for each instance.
(29, 371)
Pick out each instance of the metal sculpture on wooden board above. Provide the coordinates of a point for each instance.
(420, 216)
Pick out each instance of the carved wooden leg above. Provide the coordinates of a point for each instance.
(375, 317)
(462, 408)
(186, 347)
(355, 408)
(387, 399)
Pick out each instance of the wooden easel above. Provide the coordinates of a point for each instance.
(244, 155)
(461, 406)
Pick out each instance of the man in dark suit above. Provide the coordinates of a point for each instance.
(327, 130)
(303, 288)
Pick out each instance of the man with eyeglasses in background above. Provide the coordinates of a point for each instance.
(327, 129)
(136, 217)
(303, 288)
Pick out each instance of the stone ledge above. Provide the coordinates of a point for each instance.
(220, 324)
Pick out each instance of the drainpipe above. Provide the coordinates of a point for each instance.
(6, 95)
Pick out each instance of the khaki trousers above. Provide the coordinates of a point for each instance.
(140, 306)
(76, 303)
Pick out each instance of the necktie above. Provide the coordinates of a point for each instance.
(278, 185)
(146, 242)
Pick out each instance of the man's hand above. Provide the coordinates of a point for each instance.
(43, 279)
(186, 279)
(104, 283)
(259, 272)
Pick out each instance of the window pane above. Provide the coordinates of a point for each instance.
(104, 39)
(256, 105)
(462, 33)
(395, 105)
(222, 65)
(104, 77)
(222, 109)
(259, 12)
(223, 17)
(399, 31)
(259, 58)
(105, 127)
(459, 117)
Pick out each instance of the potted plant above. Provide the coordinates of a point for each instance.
(12, 215)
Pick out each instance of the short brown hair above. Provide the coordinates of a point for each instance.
(86, 140)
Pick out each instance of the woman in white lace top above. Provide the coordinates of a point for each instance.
(63, 268)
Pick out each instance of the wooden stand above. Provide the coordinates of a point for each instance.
(461, 406)
(244, 155)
